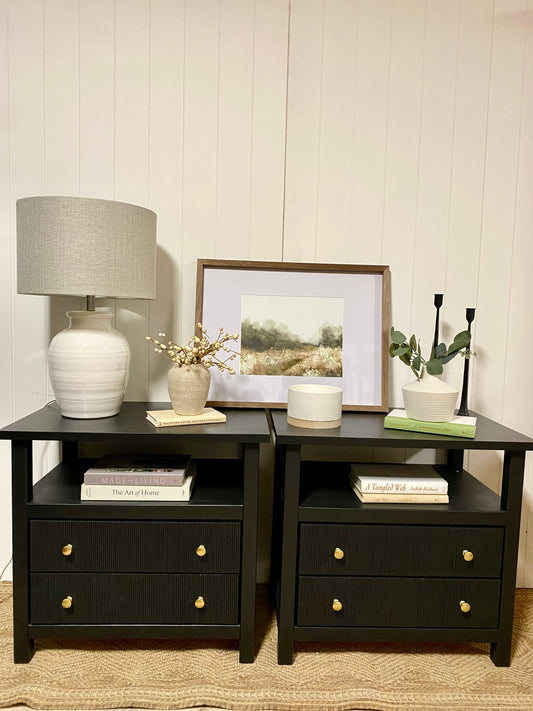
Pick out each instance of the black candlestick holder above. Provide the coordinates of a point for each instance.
(438, 303)
(463, 407)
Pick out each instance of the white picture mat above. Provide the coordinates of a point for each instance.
(362, 330)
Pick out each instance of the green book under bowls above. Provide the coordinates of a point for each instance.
(459, 426)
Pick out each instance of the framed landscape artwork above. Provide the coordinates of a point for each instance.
(298, 323)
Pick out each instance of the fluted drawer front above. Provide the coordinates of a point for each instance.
(135, 546)
(397, 602)
(105, 598)
(338, 549)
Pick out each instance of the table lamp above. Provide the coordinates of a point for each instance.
(86, 247)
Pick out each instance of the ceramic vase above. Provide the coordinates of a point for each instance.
(188, 387)
(430, 399)
(89, 366)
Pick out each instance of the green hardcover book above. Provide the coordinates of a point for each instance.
(460, 426)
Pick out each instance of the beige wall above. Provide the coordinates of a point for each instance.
(396, 132)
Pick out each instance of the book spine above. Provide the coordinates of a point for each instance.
(395, 486)
(132, 479)
(184, 421)
(402, 498)
(443, 428)
(103, 492)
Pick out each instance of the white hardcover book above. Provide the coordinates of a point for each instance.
(111, 492)
(398, 479)
(386, 498)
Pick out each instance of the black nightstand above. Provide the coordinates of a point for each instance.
(135, 570)
(345, 570)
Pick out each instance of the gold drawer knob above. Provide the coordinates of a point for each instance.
(465, 606)
(339, 553)
(468, 555)
(67, 602)
(67, 550)
(337, 605)
(199, 602)
(201, 551)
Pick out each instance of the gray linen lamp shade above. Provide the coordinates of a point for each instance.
(80, 246)
(87, 247)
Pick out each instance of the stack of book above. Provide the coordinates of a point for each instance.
(398, 484)
(139, 478)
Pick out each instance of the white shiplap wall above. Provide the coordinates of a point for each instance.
(363, 131)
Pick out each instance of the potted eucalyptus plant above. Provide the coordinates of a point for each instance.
(428, 398)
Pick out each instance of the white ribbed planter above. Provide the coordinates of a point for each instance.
(430, 399)
(89, 366)
(188, 387)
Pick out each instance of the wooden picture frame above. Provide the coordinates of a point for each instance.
(287, 316)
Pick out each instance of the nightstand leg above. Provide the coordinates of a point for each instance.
(289, 553)
(249, 553)
(22, 487)
(511, 501)
(500, 653)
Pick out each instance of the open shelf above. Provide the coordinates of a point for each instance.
(217, 494)
(325, 495)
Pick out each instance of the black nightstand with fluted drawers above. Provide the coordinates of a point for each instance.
(345, 570)
(105, 569)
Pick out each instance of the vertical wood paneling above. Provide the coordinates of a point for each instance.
(61, 124)
(434, 170)
(6, 285)
(517, 412)
(6, 288)
(498, 218)
(370, 131)
(269, 98)
(200, 139)
(335, 140)
(167, 27)
(402, 165)
(97, 100)
(131, 141)
(303, 129)
(26, 102)
(234, 137)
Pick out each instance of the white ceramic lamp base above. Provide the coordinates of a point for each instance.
(89, 366)
(317, 407)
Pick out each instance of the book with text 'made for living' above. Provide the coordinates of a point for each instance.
(168, 418)
(136, 470)
(459, 426)
(131, 493)
(397, 479)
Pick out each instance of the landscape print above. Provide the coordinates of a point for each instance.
(291, 335)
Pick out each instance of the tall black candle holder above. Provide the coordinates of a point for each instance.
(438, 303)
(463, 407)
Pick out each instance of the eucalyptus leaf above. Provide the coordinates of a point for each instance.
(400, 351)
(398, 337)
(440, 350)
(412, 343)
(461, 340)
(417, 362)
(434, 366)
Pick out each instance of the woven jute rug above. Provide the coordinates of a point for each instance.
(179, 674)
